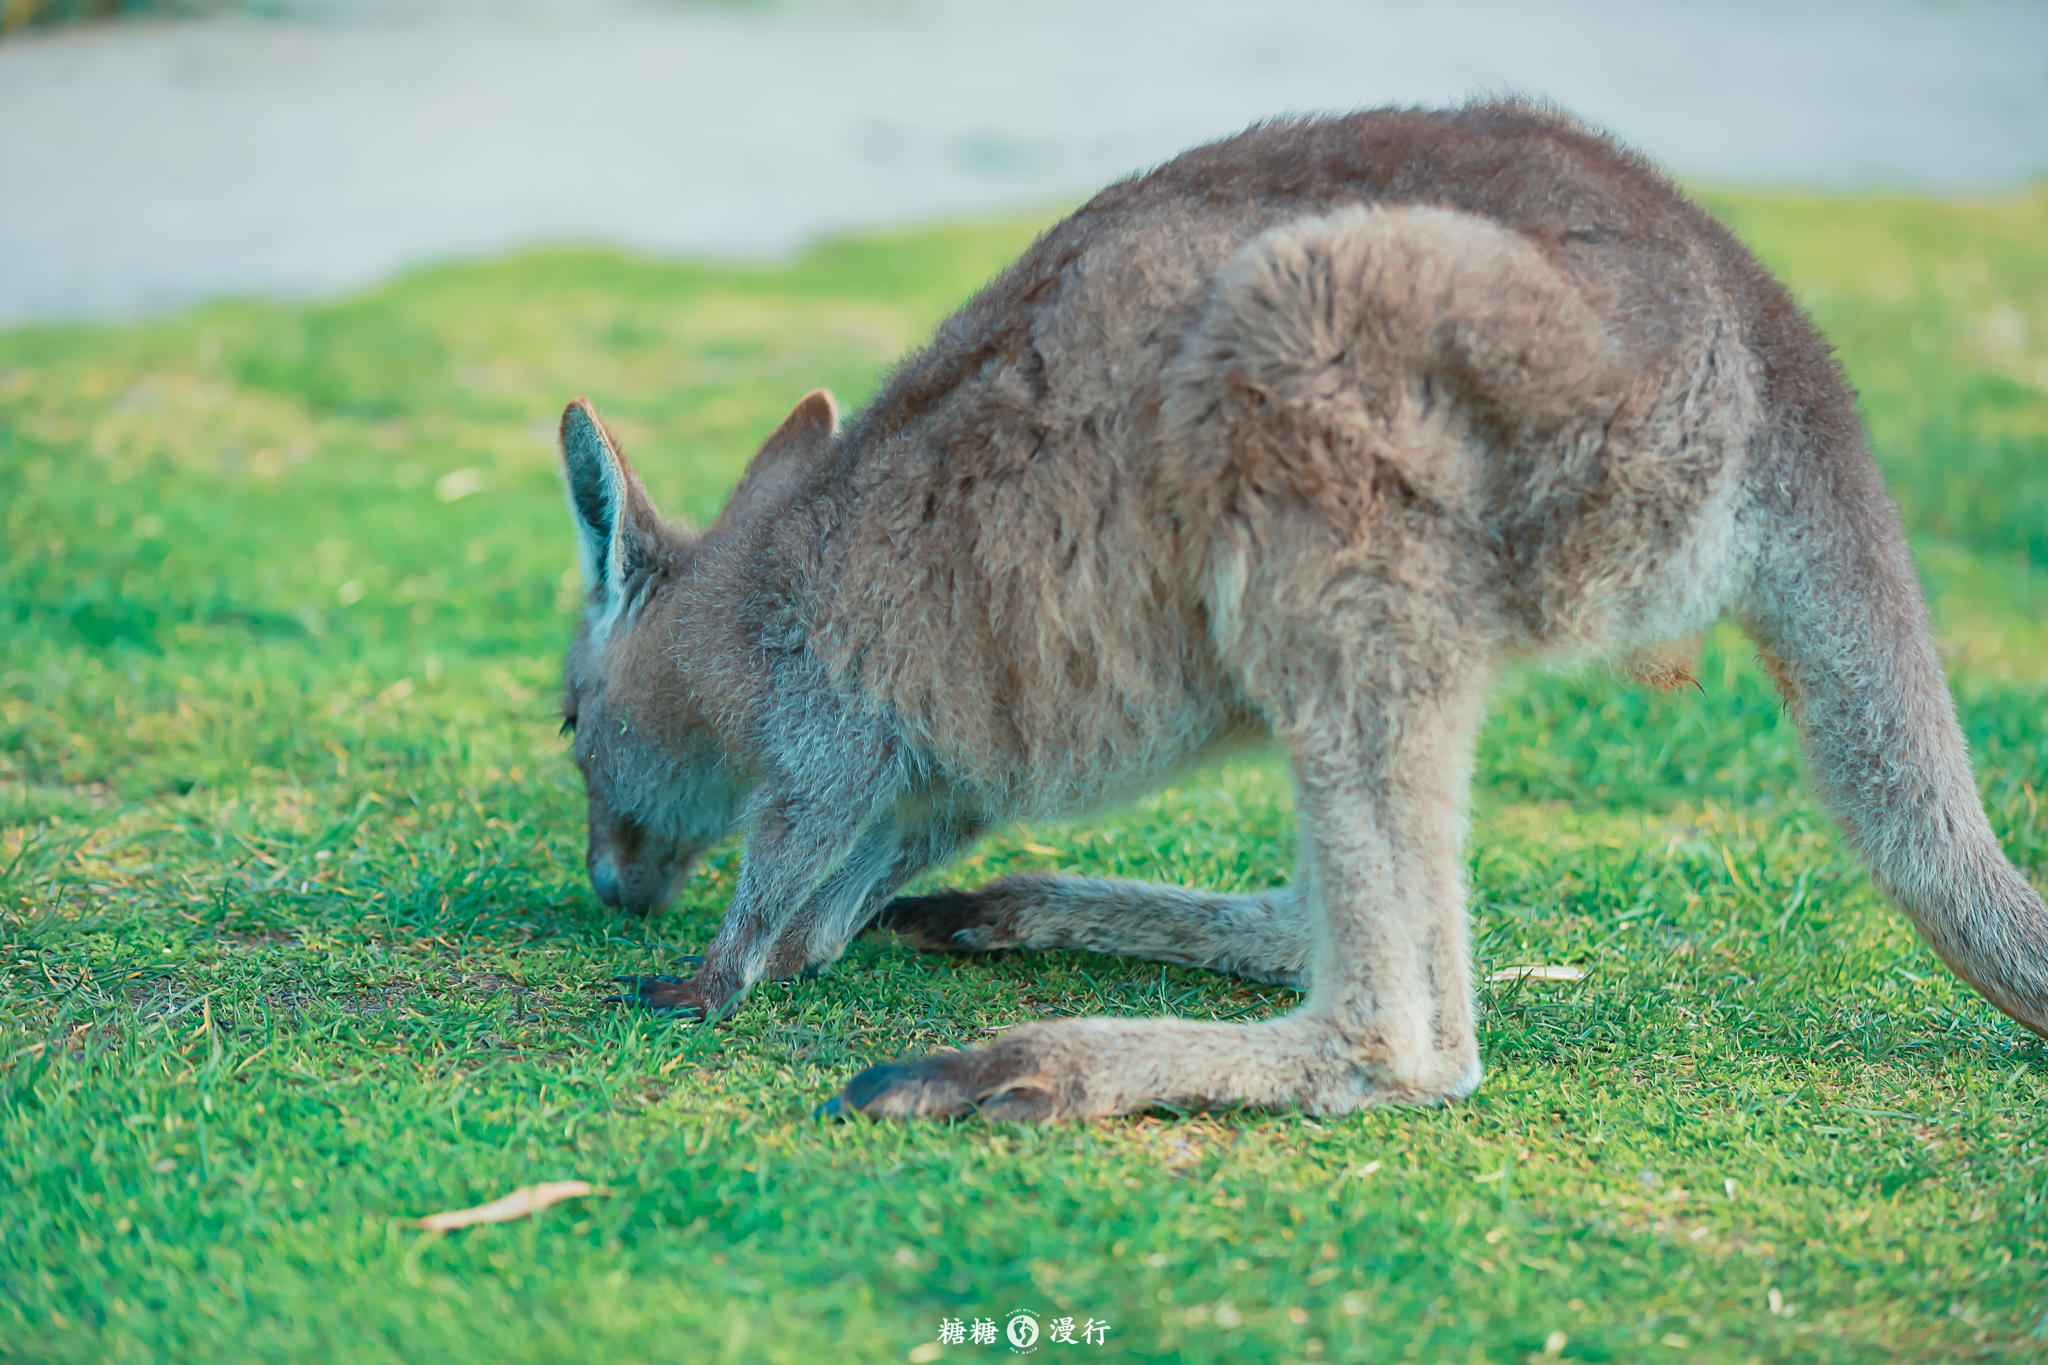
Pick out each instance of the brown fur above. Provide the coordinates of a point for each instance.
(1295, 437)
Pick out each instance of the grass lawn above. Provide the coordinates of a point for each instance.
(295, 944)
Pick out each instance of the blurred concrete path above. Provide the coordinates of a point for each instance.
(143, 167)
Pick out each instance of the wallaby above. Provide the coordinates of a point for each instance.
(1293, 438)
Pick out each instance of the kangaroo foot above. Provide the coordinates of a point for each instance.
(953, 921)
(1090, 1068)
(1003, 1081)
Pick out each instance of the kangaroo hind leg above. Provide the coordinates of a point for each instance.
(1389, 1016)
(1263, 936)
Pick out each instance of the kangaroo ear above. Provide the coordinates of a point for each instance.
(618, 532)
(797, 447)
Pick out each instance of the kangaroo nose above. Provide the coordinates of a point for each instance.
(604, 879)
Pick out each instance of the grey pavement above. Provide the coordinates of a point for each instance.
(144, 167)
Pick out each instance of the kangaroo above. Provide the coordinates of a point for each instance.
(1295, 439)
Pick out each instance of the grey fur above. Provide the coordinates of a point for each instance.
(1296, 437)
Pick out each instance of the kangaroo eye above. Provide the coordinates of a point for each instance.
(568, 726)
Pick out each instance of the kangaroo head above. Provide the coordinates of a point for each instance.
(646, 690)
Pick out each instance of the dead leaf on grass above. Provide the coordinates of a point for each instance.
(518, 1204)
(1534, 973)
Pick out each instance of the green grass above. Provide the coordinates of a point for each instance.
(294, 944)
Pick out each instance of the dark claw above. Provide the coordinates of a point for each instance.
(687, 960)
(648, 993)
(636, 982)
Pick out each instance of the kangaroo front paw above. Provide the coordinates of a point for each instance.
(692, 1000)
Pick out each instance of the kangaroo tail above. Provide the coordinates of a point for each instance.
(1839, 618)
